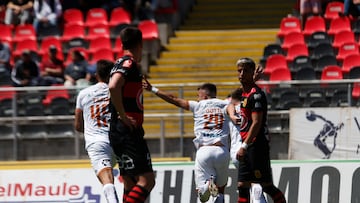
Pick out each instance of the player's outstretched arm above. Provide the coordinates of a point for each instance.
(168, 97)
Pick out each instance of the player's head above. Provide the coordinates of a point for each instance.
(236, 95)
(131, 38)
(206, 91)
(103, 68)
(246, 68)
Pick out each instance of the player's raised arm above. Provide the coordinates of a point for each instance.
(168, 97)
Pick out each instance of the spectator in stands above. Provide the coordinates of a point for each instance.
(352, 7)
(309, 8)
(52, 69)
(76, 73)
(109, 5)
(3, 4)
(5, 59)
(25, 71)
(46, 13)
(139, 9)
(18, 12)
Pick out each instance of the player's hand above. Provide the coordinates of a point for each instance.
(258, 73)
(146, 84)
(130, 122)
(236, 120)
(240, 154)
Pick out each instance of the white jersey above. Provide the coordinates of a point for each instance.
(94, 102)
(235, 137)
(210, 122)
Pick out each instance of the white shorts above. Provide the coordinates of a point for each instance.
(212, 160)
(100, 154)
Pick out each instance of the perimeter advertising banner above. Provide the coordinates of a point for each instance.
(324, 133)
(303, 182)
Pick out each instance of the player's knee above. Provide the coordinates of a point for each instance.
(256, 191)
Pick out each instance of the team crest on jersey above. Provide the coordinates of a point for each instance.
(257, 96)
(127, 63)
(257, 174)
(244, 102)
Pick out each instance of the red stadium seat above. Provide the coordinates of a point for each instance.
(314, 24)
(343, 37)
(296, 50)
(26, 44)
(73, 16)
(149, 29)
(347, 49)
(119, 16)
(350, 62)
(333, 9)
(291, 39)
(339, 24)
(274, 61)
(280, 74)
(26, 31)
(99, 43)
(55, 93)
(73, 31)
(118, 45)
(96, 16)
(103, 53)
(289, 24)
(50, 41)
(98, 30)
(332, 72)
(6, 33)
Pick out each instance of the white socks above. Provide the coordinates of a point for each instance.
(110, 193)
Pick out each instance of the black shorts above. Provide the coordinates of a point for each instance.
(130, 148)
(256, 165)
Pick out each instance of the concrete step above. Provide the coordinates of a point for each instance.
(256, 54)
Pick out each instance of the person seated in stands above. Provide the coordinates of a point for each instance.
(25, 71)
(5, 59)
(352, 8)
(139, 9)
(52, 69)
(309, 8)
(76, 73)
(18, 12)
(47, 13)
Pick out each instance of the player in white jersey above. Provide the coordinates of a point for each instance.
(211, 130)
(92, 118)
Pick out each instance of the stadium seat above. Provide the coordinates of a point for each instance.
(275, 61)
(99, 43)
(151, 38)
(280, 74)
(74, 42)
(103, 53)
(119, 16)
(299, 62)
(326, 60)
(350, 62)
(346, 49)
(314, 24)
(333, 9)
(289, 24)
(317, 38)
(26, 31)
(98, 30)
(26, 44)
(339, 98)
(50, 41)
(296, 50)
(53, 94)
(288, 99)
(305, 73)
(96, 16)
(29, 131)
(339, 24)
(117, 45)
(322, 50)
(73, 16)
(315, 98)
(6, 34)
(291, 39)
(343, 37)
(83, 51)
(354, 73)
(73, 31)
(269, 50)
(331, 72)
(6, 99)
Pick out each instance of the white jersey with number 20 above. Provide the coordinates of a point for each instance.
(210, 122)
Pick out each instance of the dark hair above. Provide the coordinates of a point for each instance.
(246, 63)
(209, 88)
(103, 68)
(236, 94)
(130, 37)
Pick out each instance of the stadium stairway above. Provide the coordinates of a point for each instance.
(205, 49)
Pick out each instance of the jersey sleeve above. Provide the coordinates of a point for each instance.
(123, 65)
(79, 99)
(192, 105)
(258, 102)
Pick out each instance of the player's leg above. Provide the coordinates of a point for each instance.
(274, 192)
(256, 194)
(221, 156)
(101, 159)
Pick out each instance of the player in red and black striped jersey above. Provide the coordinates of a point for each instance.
(126, 131)
(254, 153)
